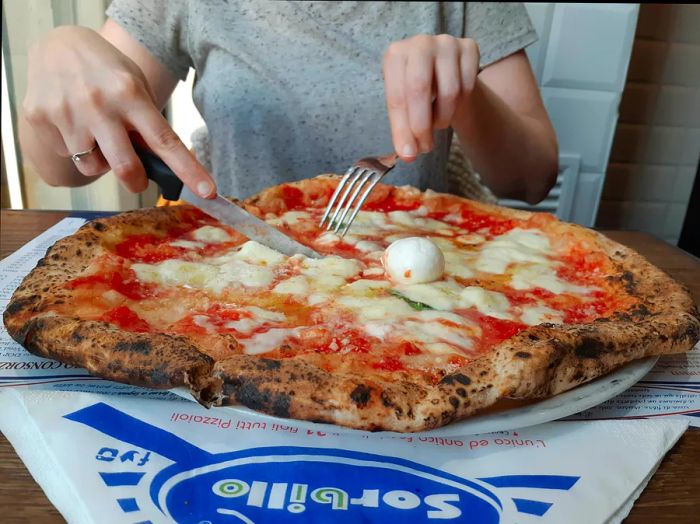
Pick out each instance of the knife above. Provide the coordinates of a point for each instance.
(221, 209)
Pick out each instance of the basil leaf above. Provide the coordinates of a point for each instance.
(418, 306)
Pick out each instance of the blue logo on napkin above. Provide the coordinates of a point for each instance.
(299, 484)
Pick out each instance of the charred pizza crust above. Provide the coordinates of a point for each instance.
(540, 361)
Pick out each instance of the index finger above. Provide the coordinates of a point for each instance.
(164, 142)
(394, 68)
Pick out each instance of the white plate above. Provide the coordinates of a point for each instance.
(553, 408)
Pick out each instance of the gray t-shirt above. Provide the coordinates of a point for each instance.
(289, 90)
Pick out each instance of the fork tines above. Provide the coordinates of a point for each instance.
(366, 171)
(348, 182)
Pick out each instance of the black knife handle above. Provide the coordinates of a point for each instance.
(158, 171)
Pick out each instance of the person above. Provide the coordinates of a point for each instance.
(292, 89)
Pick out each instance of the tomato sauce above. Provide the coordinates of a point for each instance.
(212, 250)
(148, 249)
(293, 197)
(409, 348)
(390, 203)
(474, 222)
(152, 249)
(388, 364)
(122, 280)
(583, 267)
(347, 341)
(529, 296)
(493, 330)
(220, 314)
(188, 326)
(126, 319)
(214, 318)
(587, 311)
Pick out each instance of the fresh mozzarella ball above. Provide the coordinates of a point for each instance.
(413, 260)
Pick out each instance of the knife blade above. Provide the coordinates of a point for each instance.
(221, 209)
(244, 222)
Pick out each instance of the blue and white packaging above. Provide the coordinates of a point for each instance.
(105, 459)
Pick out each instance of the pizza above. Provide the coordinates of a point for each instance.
(430, 309)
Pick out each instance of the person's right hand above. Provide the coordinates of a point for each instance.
(82, 91)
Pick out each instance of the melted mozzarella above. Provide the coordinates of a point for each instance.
(327, 282)
(365, 287)
(237, 272)
(319, 276)
(175, 272)
(413, 220)
(315, 299)
(516, 246)
(531, 238)
(440, 332)
(113, 297)
(454, 318)
(533, 315)
(367, 223)
(264, 342)
(371, 218)
(211, 235)
(375, 308)
(265, 314)
(471, 239)
(378, 329)
(437, 332)
(335, 266)
(296, 285)
(203, 321)
(398, 236)
(249, 266)
(457, 261)
(187, 244)
(443, 295)
(256, 253)
(373, 272)
(545, 277)
(244, 325)
(414, 260)
(375, 255)
(442, 348)
(260, 317)
(366, 246)
(289, 218)
(327, 238)
(491, 303)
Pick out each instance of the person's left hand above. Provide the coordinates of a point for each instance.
(425, 80)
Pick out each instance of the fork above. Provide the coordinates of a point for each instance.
(367, 170)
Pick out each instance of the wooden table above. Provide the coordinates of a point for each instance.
(672, 496)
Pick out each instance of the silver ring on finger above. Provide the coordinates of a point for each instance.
(77, 157)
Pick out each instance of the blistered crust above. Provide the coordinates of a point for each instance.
(540, 361)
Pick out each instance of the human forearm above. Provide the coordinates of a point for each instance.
(516, 154)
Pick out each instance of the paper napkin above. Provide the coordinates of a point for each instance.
(107, 459)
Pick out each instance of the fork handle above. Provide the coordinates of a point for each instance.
(382, 164)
